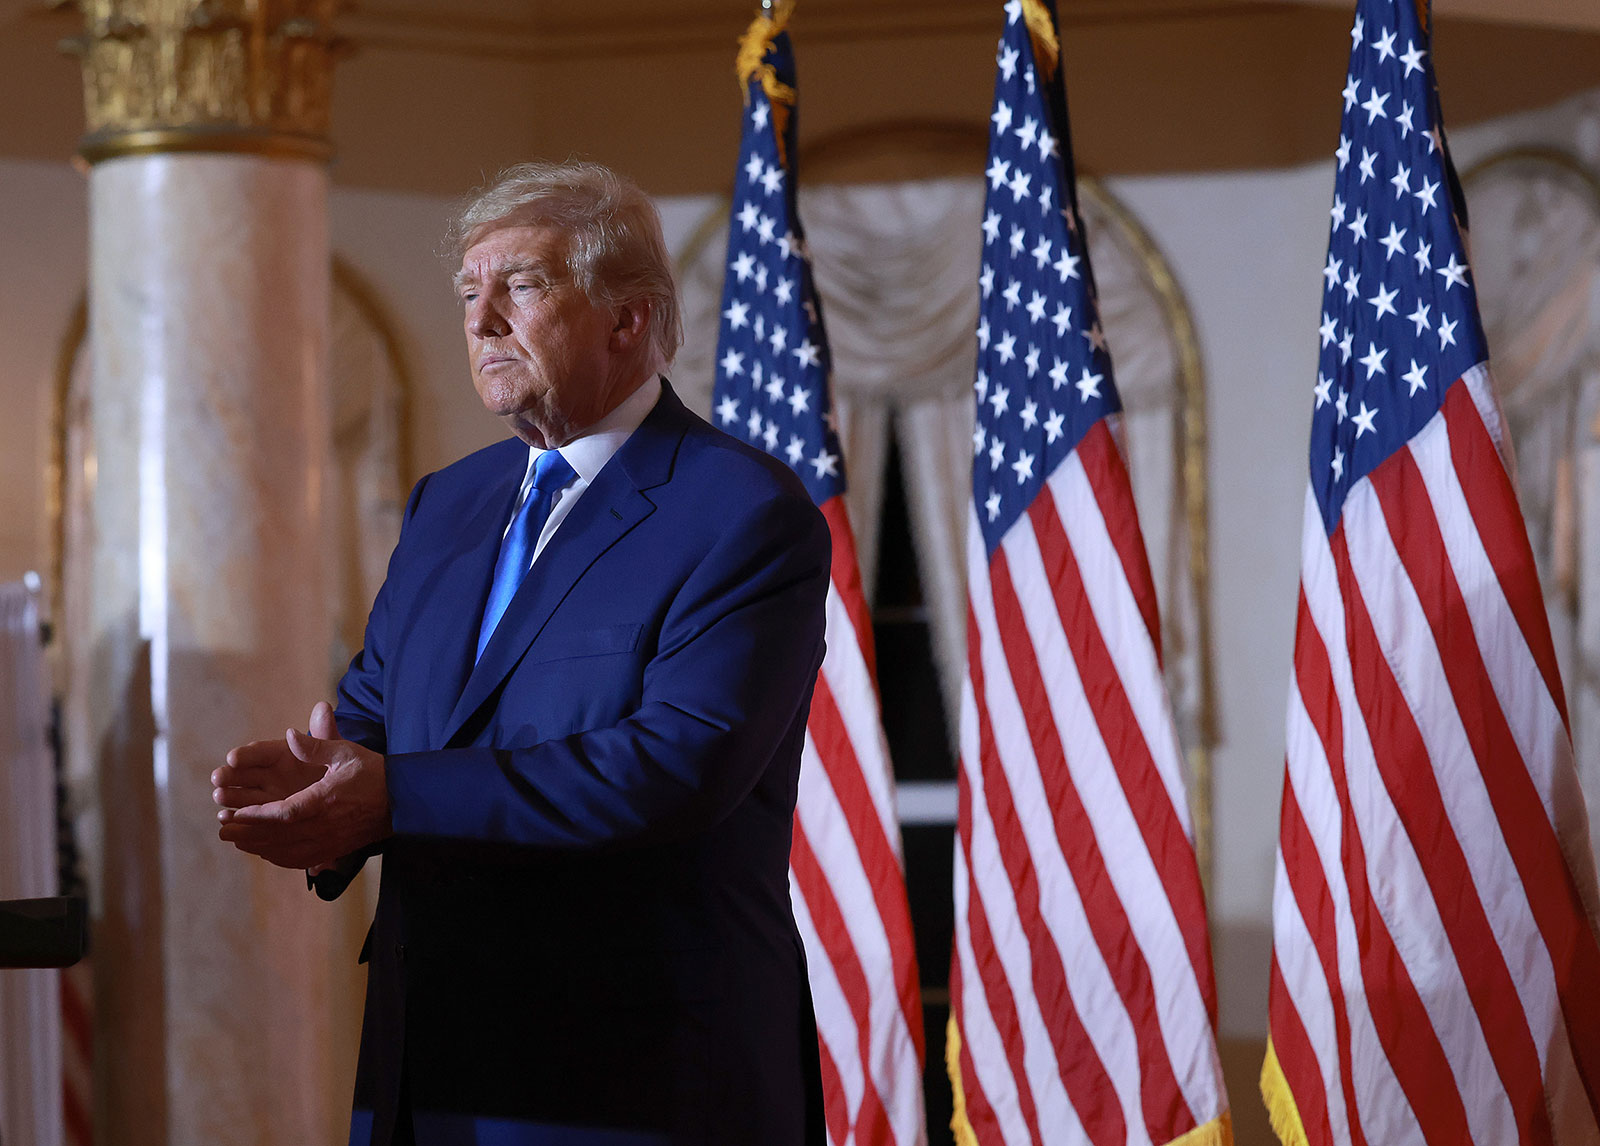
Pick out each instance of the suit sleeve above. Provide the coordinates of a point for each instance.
(358, 710)
(736, 662)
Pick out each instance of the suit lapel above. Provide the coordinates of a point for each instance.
(612, 505)
(456, 590)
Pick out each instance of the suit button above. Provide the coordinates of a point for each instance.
(400, 952)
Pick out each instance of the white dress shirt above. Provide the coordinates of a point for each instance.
(588, 454)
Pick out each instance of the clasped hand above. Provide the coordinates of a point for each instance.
(305, 800)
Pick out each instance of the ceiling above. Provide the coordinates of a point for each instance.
(437, 93)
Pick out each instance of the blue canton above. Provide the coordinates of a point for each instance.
(773, 367)
(1044, 376)
(1399, 314)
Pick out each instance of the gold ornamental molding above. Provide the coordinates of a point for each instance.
(250, 76)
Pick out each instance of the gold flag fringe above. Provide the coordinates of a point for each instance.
(960, 1124)
(751, 63)
(1046, 45)
(1217, 1132)
(1279, 1099)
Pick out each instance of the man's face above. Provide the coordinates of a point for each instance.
(544, 358)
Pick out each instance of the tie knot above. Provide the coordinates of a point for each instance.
(552, 471)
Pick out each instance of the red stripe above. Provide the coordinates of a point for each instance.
(838, 758)
(1159, 826)
(1165, 1111)
(835, 1106)
(1493, 504)
(980, 1113)
(75, 1116)
(992, 974)
(1310, 888)
(75, 1017)
(1113, 491)
(868, 1120)
(1402, 1023)
(846, 574)
(1298, 1062)
(1546, 879)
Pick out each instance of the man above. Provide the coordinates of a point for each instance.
(574, 730)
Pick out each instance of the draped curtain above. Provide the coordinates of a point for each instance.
(897, 267)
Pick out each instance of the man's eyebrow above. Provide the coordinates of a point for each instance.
(504, 270)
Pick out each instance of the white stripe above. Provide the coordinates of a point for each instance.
(835, 1025)
(891, 1053)
(1089, 984)
(1180, 1007)
(978, 1029)
(1116, 610)
(856, 698)
(1386, 1116)
(1394, 871)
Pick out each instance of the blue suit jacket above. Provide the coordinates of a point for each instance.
(583, 932)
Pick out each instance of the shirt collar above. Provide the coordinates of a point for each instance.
(588, 453)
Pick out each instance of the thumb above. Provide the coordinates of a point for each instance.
(322, 724)
(309, 747)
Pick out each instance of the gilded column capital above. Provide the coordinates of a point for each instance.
(206, 75)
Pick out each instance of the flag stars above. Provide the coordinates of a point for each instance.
(1052, 428)
(1362, 420)
(1036, 307)
(1447, 332)
(1338, 464)
(999, 174)
(1329, 330)
(1368, 158)
(1002, 116)
(764, 229)
(1023, 466)
(1373, 360)
(1089, 385)
(1392, 241)
(980, 438)
(749, 215)
(728, 410)
(1352, 285)
(754, 424)
(1028, 132)
(986, 280)
(784, 291)
(1342, 152)
(1000, 400)
(1341, 407)
(1358, 226)
(1382, 303)
(981, 386)
(760, 327)
(772, 180)
(983, 336)
(1047, 196)
(997, 453)
(1425, 194)
(795, 450)
(1423, 255)
(1412, 57)
(1019, 186)
(1031, 360)
(1331, 271)
(1058, 375)
(1401, 181)
(1374, 106)
(991, 505)
(1384, 46)
(732, 363)
(759, 114)
(1007, 59)
(770, 437)
(1345, 346)
(1012, 294)
(752, 169)
(1336, 213)
(991, 228)
(1416, 377)
(1041, 253)
(1420, 317)
(775, 389)
(807, 353)
(1019, 240)
(826, 464)
(1006, 348)
(1029, 414)
(1096, 337)
(744, 266)
(737, 314)
(1404, 120)
(1454, 273)
(779, 338)
(1324, 390)
(1048, 147)
(799, 400)
(1067, 265)
(1062, 318)
(1352, 93)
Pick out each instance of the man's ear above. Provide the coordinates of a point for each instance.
(632, 325)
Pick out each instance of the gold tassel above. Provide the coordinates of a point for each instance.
(1046, 46)
(751, 62)
(1217, 1132)
(1279, 1099)
(960, 1124)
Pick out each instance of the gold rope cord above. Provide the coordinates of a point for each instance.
(751, 63)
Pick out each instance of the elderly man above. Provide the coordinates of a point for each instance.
(574, 730)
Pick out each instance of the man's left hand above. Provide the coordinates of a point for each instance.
(344, 810)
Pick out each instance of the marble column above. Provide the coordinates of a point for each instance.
(208, 302)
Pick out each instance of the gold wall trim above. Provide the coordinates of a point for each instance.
(167, 74)
(225, 140)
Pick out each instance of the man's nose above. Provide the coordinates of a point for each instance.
(484, 320)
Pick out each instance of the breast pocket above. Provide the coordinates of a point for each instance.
(585, 643)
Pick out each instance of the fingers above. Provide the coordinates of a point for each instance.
(322, 725)
(308, 747)
(239, 795)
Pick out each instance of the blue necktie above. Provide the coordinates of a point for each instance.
(550, 473)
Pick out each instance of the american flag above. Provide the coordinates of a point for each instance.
(1082, 999)
(1435, 963)
(846, 870)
